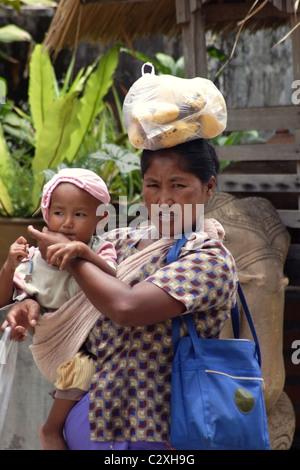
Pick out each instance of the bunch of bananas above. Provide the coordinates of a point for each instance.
(173, 111)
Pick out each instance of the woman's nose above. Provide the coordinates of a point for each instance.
(165, 197)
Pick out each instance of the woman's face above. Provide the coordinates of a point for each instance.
(173, 197)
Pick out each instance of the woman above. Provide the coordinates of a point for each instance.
(128, 406)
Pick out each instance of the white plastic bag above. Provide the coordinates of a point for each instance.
(8, 359)
(162, 111)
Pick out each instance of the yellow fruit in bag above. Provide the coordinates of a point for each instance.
(156, 112)
(136, 135)
(164, 111)
(189, 102)
(181, 131)
(210, 127)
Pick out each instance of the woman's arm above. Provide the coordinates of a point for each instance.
(142, 304)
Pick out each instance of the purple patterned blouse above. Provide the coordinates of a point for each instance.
(130, 392)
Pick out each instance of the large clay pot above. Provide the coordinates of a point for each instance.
(12, 228)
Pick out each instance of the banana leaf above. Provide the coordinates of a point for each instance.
(5, 200)
(91, 102)
(54, 138)
(11, 33)
(61, 122)
(42, 87)
(39, 3)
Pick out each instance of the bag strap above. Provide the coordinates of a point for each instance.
(250, 322)
(173, 256)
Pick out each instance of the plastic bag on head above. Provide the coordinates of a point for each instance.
(162, 111)
(8, 359)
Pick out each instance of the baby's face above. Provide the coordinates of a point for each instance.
(73, 212)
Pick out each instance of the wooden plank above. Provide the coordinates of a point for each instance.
(294, 253)
(263, 118)
(236, 11)
(295, 38)
(284, 5)
(257, 152)
(290, 218)
(292, 264)
(182, 12)
(219, 12)
(259, 183)
(292, 302)
(194, 41)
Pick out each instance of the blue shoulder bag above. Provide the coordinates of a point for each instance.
(217, 398)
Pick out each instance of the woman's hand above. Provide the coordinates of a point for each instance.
(22, 317)
(46, 238)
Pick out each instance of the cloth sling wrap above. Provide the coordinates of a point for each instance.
(59, 334)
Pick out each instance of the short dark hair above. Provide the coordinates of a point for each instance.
(196, 156)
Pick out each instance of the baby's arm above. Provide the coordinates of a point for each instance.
(16, 253)
(61, 253)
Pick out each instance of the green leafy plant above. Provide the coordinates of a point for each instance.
(107, 151)
(163, 63)
(17, 128)
(166, 64)
(118, 166)
(235, 138)
(17, 4)
(10, 33)
(60, 119)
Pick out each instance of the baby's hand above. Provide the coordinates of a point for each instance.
(61, 253)
(17, 252)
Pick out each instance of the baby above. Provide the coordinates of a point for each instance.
(69, 205)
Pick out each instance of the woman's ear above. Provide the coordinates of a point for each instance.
(210, 186)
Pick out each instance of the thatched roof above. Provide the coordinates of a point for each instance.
(105, 22)
(124, 20)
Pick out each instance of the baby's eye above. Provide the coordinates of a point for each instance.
(80, 214)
